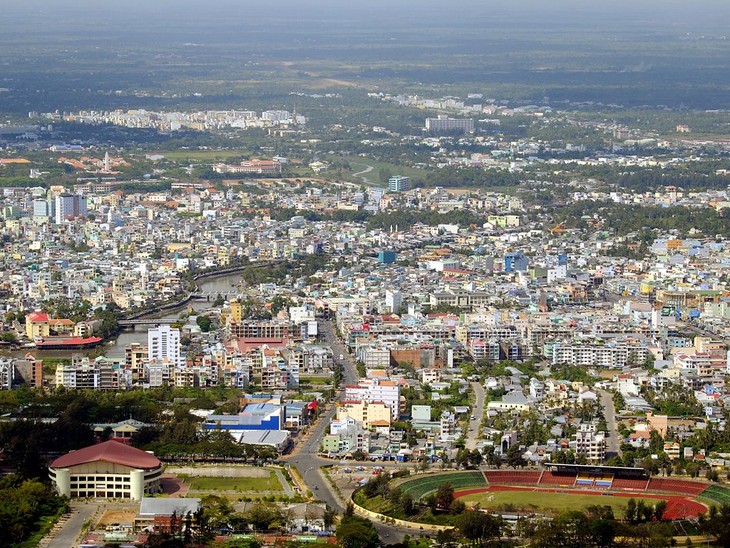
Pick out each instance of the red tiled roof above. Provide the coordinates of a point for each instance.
(74, 341)
(108, 451)
(38, 317)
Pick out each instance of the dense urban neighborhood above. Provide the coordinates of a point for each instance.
(289, 294)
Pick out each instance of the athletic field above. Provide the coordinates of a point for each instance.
(532, 499)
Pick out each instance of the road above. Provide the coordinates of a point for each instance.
(70, 529)
(306, 458)
(477, 415)
(361, 174)
(613, 445)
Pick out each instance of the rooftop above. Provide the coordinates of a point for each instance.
(108, 451)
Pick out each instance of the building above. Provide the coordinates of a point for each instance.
(386, 256)
(398, 183)
(69, 206)
(109, 470)
(374, 391)
(135, 359)
(163, 344)
(164, 515)
(121, 431)
(255, 416)
(37, 325)
(590, 443)
(611, 356)
(444, 124)
(393, 300)
(42, 208)
(84, 373)
(7, 374)
(29, 371)
(369, 414)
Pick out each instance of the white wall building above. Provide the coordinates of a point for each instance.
(163, 344)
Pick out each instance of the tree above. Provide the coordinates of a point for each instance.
(204, 323)
(475, 457)
(479, 527)
(630, 511)
(445, 495)
(717, 523)
(409, 508)
(330, 515)
(514, 457)
(264, 515)
(568, 529)
(356, 532)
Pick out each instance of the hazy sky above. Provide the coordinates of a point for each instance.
(710, 13)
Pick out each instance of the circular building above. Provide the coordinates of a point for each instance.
(107, 470)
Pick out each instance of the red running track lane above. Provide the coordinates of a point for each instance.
(677, 507)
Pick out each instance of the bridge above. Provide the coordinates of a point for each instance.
(146, 321)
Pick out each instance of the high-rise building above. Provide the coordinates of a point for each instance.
(69, 206)
(163, 344)
(393, 300)
(444, 124)
(398, 183)
(42, 208)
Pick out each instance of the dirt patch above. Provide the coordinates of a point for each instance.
(219, 471)
(113, 517)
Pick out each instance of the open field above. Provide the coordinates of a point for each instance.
(219, 471)
(358, 165)
(549, 500)
(239, 484)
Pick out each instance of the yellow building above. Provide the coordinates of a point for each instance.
(362, 411)
(37, 324)
(236, 312)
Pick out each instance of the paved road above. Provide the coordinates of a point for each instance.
(68, 533)
(472, 435)
(288, 491)
(613, 443)
(309, 463)
(361, 174)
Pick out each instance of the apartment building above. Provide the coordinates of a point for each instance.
(376, 390)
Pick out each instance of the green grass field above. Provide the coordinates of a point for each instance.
(358, 164)
(243, 485)
(531, 500)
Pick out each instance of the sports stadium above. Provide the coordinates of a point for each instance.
(569, 486)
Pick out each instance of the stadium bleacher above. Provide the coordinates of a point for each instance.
(629, 484)
(684, 487)
(552, 479)
(717, 493)
(420, 486)
(512, 477)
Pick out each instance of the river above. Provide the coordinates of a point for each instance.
(226, 285)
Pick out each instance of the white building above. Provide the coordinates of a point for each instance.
(590, 443)
(163, 344)
(69, 206)
(376, 390)
(110, 470)
(393, 300)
